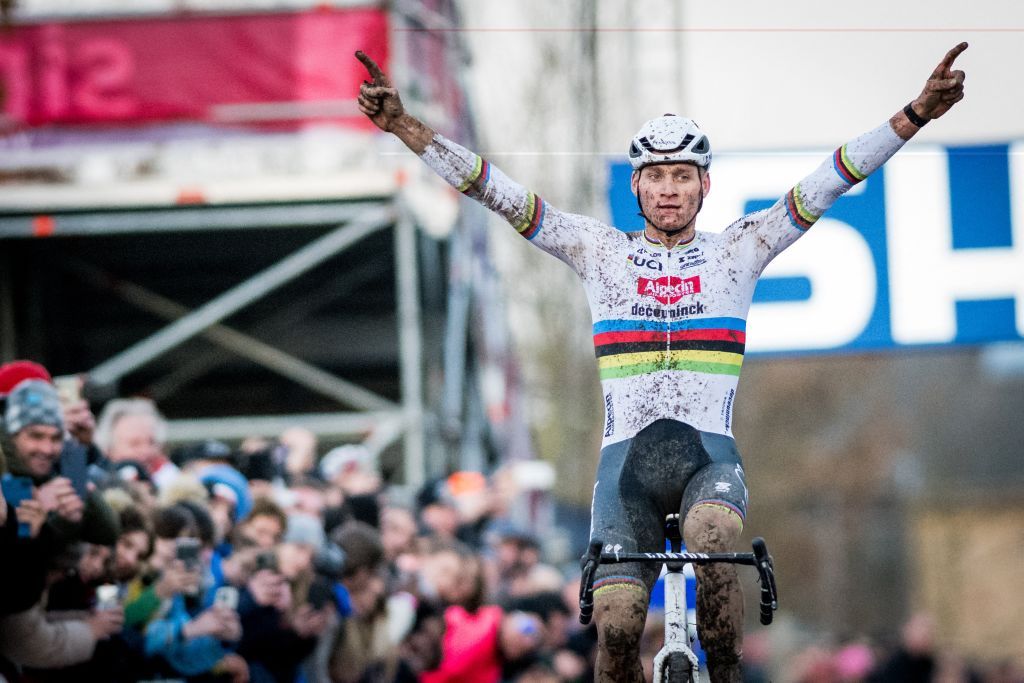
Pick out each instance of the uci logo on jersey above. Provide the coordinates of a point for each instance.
(645, 262)
(669, 288)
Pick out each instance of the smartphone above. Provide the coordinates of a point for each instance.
(266, 560)
(69, 389)
(106, 596)
(524, 624)
(320, 593)
(73, 465)
(17, 490)
(226, 596)
(187, 550)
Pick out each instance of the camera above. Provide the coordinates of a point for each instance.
(329, 561)
(187, 550)
(266, 560)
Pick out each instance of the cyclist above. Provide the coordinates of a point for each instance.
(669, 306)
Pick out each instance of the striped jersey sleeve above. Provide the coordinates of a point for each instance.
(809, 199)
(556, 232)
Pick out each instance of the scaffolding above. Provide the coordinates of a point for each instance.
(69, 208)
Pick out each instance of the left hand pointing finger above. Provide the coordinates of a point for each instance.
(942, 70)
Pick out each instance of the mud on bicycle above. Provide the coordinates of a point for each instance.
(676, 662)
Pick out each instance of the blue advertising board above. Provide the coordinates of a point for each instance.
(928, 251)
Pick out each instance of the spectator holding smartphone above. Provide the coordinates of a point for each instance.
(56, 518)
(27, 637)
(167, 576)
(189, 637)
(34, 439)
(280, 626)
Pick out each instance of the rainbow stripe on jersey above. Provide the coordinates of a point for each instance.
(845, 168)
(533, 217)
(481, 169)
(799, 215)
(712, 346)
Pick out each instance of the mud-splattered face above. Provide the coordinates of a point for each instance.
(671, 194)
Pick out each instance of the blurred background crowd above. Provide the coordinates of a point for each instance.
(126, 560)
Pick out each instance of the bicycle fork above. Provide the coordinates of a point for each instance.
(678, 636)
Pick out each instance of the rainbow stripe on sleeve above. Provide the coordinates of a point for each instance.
(533, 218)
(845, 168)
(799, 215)
(481, 169)
(634, 347)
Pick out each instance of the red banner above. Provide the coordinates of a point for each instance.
(231, 69)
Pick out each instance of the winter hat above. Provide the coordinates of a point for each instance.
(305, 529)
(345, 459)
(33, 402)
(14, 373)
(226, 482)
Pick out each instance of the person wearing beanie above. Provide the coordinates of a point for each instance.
(34, 423)
(33, 435)
(33, 438)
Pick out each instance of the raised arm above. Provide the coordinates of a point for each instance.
(804, 204)
(558, 233)
(380, 102)
(943, 89)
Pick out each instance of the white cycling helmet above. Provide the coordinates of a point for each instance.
(670, 139)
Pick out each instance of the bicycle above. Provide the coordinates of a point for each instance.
(676, 661)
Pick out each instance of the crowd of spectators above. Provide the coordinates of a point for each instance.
(914, 655)
(124, 560)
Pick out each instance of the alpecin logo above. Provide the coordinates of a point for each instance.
(668, 289)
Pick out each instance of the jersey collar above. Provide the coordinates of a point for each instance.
(658, 245)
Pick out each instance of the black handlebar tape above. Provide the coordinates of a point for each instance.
(588, 563)
(586, 610)
(764, 569)
(760, 550)
(587, 593)
(766, 606)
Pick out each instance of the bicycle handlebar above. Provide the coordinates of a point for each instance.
(588, 563)
(766, 571)
(760, 559)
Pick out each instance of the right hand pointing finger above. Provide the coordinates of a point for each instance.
(379, 77)
(379, 100)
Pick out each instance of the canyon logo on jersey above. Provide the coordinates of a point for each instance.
(668, 289)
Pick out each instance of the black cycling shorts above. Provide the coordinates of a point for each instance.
(668, 467)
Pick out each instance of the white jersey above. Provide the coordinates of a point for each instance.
(669, 324)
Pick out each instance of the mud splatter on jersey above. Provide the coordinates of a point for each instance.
(669, 324)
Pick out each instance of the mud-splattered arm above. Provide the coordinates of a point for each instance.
(569, 237)
(805, 203)
(475, 177)
(464, 170)
(943, 89)
(580, 241)
(380, 102)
